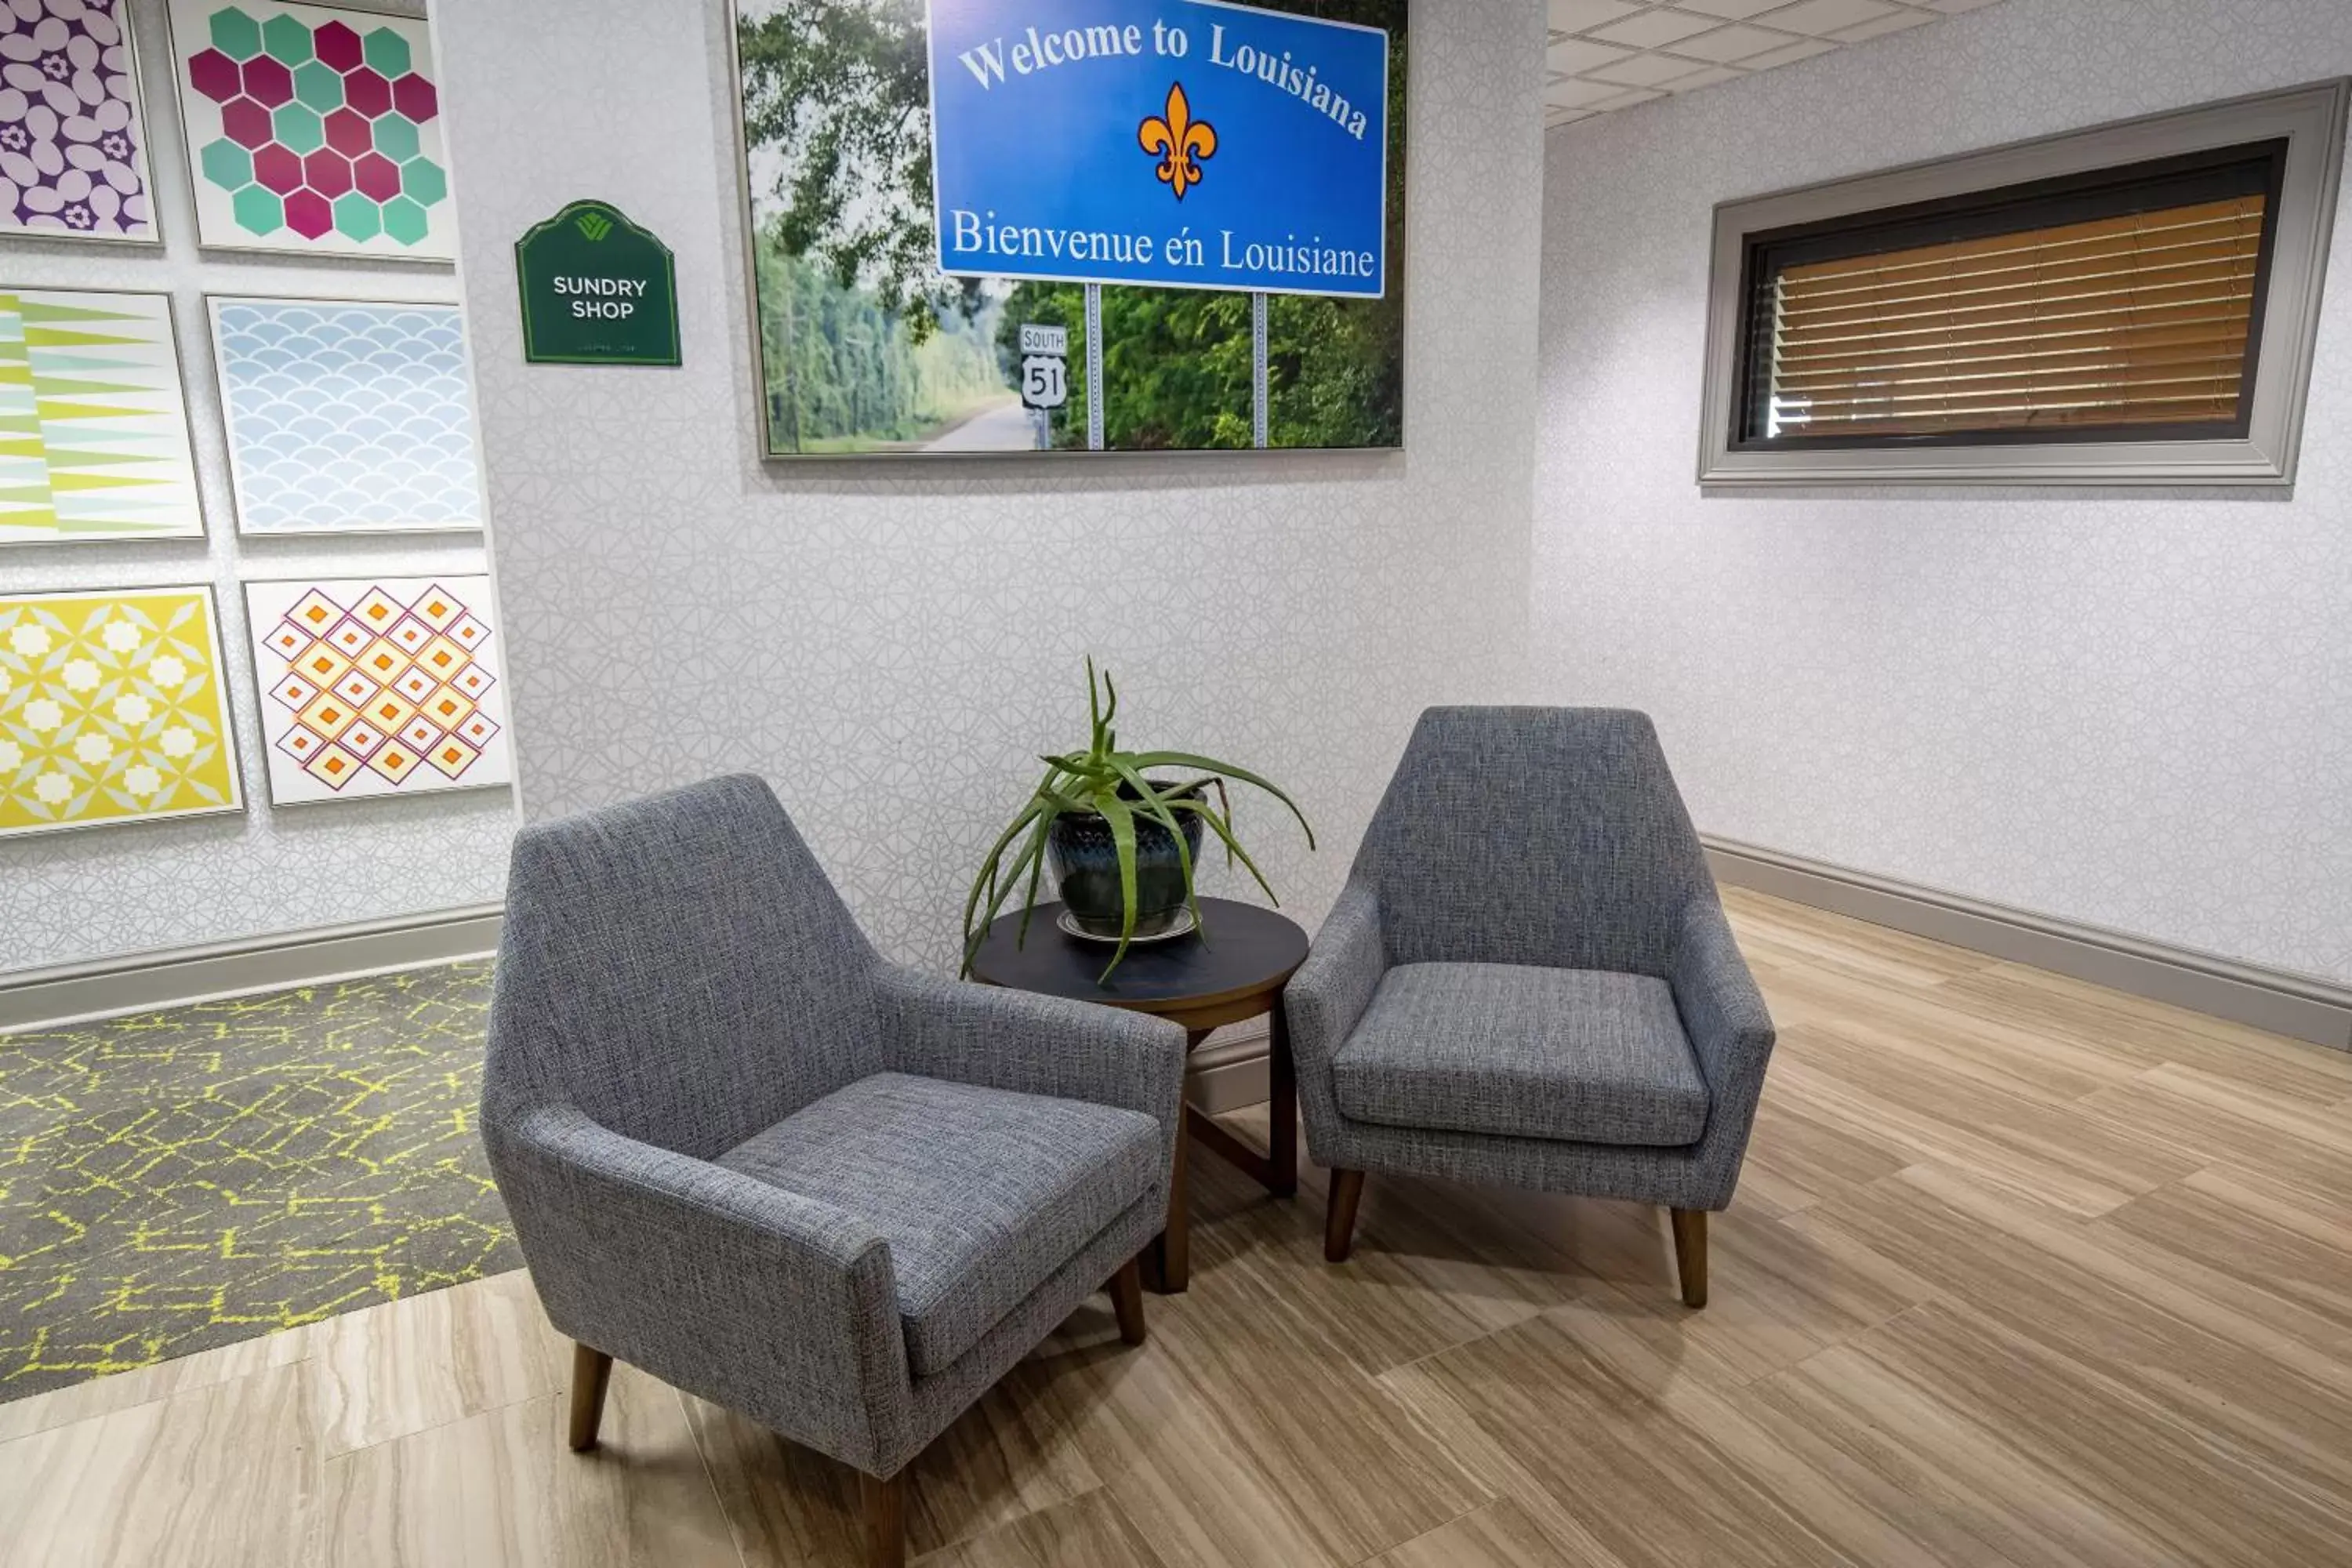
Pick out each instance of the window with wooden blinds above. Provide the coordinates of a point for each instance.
(2096, 308)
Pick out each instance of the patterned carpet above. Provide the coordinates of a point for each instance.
(170, 1182)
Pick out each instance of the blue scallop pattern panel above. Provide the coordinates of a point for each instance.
(347, 418)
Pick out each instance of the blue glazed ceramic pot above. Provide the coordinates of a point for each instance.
(1085, 865)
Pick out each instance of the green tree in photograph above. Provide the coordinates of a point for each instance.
(837, 98)
(843, 372)
(1335, 368)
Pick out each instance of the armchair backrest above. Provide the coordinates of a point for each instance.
(1533, 835)
(680, 969)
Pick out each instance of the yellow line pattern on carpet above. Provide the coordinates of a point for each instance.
(174, 1181)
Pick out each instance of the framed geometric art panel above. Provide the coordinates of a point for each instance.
(312, 128)
(377, 686)
(347, 416)
(113, 708)
(73, 137)
(93, 421)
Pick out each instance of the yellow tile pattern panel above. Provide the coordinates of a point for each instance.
(113, 708)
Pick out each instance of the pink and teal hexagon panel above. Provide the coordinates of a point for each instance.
(313, 129)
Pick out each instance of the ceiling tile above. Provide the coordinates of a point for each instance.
(1707, 77)
(1574, 55)
(1622, 54)
(1788, 56)
(1629, 98)
(1642, 70)
(1897, 22)
(1575, 92)
(1732, 43)
(1651, 28)
(1821, 17)
(1578, 16)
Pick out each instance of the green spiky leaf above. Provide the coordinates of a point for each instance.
(1092, 782)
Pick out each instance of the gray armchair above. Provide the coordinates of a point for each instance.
(747, 1155)
(1528, 980)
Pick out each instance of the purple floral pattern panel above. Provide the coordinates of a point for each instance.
(72, 154)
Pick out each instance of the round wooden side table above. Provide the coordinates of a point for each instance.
(1232, 970)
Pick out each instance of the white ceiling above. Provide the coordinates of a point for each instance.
(1612, 54)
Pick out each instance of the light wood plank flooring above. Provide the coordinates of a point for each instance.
(2022, 1272)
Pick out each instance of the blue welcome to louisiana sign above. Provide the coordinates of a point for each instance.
(1190, 142)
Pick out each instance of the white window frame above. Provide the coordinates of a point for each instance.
(2310, 120)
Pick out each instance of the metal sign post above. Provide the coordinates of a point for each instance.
(1257, 369)
(1094, 368)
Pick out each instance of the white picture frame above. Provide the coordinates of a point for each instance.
(301, 122)
(198, 752)
(367, 720)
(323, 438)
(97, 75)
(148, 432)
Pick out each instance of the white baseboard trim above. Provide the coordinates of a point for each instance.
(1230, 1070)
(135, 983)
(2303, 1006)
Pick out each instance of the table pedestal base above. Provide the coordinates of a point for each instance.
(1199, 982)
(1167, 1262)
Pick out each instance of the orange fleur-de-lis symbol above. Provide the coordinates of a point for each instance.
(1181, 141)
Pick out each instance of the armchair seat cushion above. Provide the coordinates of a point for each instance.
(982, 1193)
(1583, 1055)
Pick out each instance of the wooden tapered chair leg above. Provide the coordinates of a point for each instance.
(1127, 1300)
(885, 1505)
(592, 1372)
(1690, 1254)
(1340, 1216)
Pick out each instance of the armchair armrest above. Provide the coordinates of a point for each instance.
(1327, 996)
(778, 1305)
(995, 1037)
(1323, 1003)
(1730, 1031)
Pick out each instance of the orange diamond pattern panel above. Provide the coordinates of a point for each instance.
(379, 687)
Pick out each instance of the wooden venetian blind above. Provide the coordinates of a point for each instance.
(2137, 320)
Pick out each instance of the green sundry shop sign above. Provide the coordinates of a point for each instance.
(596, 289)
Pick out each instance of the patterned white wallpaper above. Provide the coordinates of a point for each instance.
(2131, 709)
(108, 891)
(890, 646)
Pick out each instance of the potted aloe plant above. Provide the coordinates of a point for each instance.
(1120, 841)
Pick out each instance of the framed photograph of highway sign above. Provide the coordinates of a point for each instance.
(1073, 226)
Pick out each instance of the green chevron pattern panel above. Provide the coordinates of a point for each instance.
(93, 421)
